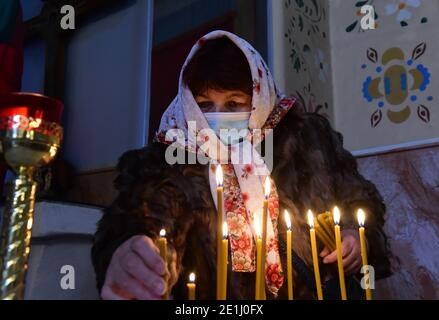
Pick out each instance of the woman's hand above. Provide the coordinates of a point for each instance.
(136, 271)
(350, 246)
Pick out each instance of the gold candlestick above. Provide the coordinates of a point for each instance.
(30, 138)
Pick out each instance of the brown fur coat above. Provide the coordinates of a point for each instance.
(311, 170)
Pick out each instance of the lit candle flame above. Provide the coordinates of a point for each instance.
(310, 219)
(288, 219)
(336, 214)
(258, 227)
(267, 187)
(192, 277)
(219, 176)
(360, 217)
(162, 233)
(225, 230)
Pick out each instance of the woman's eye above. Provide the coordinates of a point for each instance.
(204, 105)
(235, 104)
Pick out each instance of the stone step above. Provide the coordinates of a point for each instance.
(60, 260)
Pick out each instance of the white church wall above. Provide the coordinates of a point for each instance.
(375, 76)
(107, 87)
(107, 83)
(321, 53)
(33, 65)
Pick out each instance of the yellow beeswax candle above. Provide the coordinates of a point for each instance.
(361, 218)
(321, 234)
(328, 228)
(163, 247)
(330, 220)
(289, 256)
(336, 215)
(315, 259)
(219, 192)
(191, 287)
(224, 262)
(258, 259)
(267, 190)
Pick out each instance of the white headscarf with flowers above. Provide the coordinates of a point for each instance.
(243, 181)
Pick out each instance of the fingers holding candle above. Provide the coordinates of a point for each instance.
(331, 255)
(145, 248)
(351, 251)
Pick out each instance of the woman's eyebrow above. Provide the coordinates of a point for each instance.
(236, 95)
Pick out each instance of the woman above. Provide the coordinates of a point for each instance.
(226, 84)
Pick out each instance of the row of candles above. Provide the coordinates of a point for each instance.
(261, 233)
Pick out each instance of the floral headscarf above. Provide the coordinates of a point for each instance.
(243, 182)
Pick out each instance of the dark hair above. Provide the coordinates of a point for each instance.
(219, 64)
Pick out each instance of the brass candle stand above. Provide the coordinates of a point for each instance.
(30, 137)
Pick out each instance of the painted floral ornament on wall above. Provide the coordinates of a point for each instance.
(306, 26)
(403, 12)
(396, 84)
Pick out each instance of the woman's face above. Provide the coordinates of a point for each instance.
(224, 101)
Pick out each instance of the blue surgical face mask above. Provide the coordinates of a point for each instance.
(228, 121)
